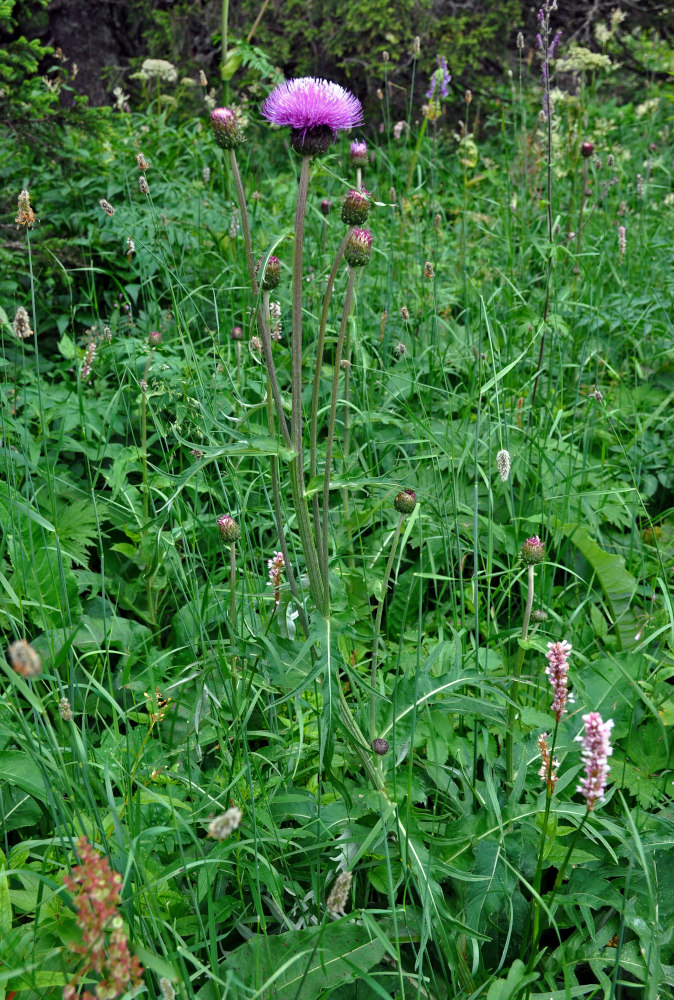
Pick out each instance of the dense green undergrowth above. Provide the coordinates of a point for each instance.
(165, 699)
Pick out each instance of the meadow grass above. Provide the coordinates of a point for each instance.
(213, 741)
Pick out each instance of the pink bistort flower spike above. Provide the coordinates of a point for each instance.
(276, 566)
(596, 750)
(557, 670)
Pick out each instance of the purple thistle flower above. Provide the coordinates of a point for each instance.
(557, 670)
(316, 110)
(596, 751)
(358, 153)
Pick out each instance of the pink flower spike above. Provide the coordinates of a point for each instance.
(557, 670)
(596, 750)
(276, 565)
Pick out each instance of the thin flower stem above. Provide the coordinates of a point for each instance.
(548, 279)
(512, 707)
(377, 625)
(320, 346)
(276, 480)
(296, 467)
(245, 226)
(549, 791)
(232, 582)
(348, 302)
(558, 882)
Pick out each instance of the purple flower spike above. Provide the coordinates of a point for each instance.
(316, 110)
(596, 751)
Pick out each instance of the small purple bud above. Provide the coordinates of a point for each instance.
(154, 338)
(326, 206)
(380, 747)
(587, 149)
(228, 528)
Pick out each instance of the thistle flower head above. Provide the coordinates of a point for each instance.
(21, 324)
(405, 502)
(222, 826)
(227, 125)
(237, 333)
(358, 249)
(272, 273)
(228, 528)
(358, 153)
(314, 109)
(154, 338)
(587, 149)
(596, 743)
(24, 659)
(326, 206)
(557, 670)
(380, 747)
(356, 208)
(339, 896)
(533, 551)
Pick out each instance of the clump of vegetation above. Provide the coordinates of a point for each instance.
(336, 509)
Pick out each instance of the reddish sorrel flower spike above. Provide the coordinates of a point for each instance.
(558, 670)
(316, 110)
(596, 750)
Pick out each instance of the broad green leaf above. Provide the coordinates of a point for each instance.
(303, 963)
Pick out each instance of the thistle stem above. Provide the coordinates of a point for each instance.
(320, 347)
(348, 302)
(245, 225)
(377, 625)
(512, 707)
(232, 582)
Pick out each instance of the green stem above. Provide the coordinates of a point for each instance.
(415, 154)
(512, 707)
(245, 225)
(146, 486)
(377, 625)
(558, 882)
(225, 33)
(320, 347)
(538, 877)
(232, 582)
(348, 302)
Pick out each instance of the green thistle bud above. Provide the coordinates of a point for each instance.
(405, 502)
(227, 127)
(358, 250)
(356, 208)
(228, 528)
(533, 551)
(272, 273)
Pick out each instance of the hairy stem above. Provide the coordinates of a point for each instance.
(377, 625)
(348, 302)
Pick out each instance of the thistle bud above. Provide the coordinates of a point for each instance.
(539, 616)
(532, 551)
(380, 747)
(237, 333)
(405, 502)
(356, 208)
(272, 273)
(227, 127)
(358, 249)
(358, 153)
(228, 528)
(326, 207)
(154, 338)
(587, 149)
